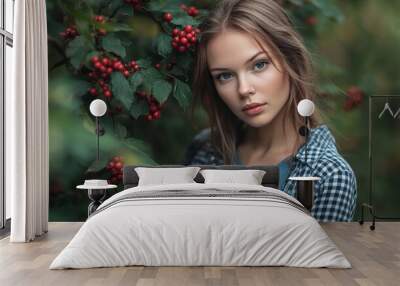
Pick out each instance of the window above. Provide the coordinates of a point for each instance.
(6, 63)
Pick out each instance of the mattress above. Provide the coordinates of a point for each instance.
(198, 224)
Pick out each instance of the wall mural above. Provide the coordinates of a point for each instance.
(137, 56)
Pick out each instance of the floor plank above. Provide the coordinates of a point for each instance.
(374, 255)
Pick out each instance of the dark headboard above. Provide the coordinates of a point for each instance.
(270, 179)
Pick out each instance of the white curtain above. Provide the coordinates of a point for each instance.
(27, 124)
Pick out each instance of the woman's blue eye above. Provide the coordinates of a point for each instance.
(260, 65)
(223, 76)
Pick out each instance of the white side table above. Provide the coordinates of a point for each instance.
(96, 192)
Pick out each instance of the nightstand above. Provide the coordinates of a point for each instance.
(305, 190)
(97, 190)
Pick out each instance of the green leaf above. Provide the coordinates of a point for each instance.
(112, 44)
(83, 26)
(121, 89)
(54, 28)
(97, 165)
(76, 51)
(161, 90)
(327, 69)
(137, 145)
(126, 10)
(150, 75)
(164, 47)
(166, 6)
(185, 20)
(155, 6)
(81, 87)
(144, 63)
(113, 27)
(182, 93)
(97, 3)
(140, 147)
(139, 108)
(185, 61)
(135, 81)
(177, 71)
(112, 7)
(121, 130)
(329, 88)
(122, 27)
(328, 9)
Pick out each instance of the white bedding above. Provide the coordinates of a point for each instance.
(189, 230)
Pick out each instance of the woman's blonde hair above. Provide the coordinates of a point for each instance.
(268, 22)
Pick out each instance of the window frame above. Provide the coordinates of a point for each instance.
(6, 39)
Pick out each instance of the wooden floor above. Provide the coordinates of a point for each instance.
(374, 255)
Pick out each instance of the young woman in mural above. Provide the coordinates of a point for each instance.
(251, 71)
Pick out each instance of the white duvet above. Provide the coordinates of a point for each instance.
(219, 231)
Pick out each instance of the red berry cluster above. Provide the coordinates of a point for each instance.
(134, 66)
(107, 65)
(100, 19)
(154, 106)
(115, 167)
(136, 4)
(168, 66)
(191, 11)
(104, 67)
(354, 98)
(167, 17)
(69, 33)
(311, 21)
(104, 87)
(183, 39)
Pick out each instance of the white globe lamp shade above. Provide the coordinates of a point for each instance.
(305, 107)
(98, 107)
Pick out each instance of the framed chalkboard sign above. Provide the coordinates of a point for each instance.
(384, 159)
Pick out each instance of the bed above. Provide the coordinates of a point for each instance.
(201, 224)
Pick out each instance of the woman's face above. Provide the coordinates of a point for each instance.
(243, 74)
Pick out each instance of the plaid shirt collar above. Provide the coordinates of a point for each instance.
(319, 141)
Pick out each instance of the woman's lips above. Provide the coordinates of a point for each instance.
(254, 110)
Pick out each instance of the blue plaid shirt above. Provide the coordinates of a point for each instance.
(336, 192)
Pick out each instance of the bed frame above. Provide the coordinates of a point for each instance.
(270, 179)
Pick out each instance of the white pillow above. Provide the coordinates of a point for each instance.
(162, 176)
(249, 177)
